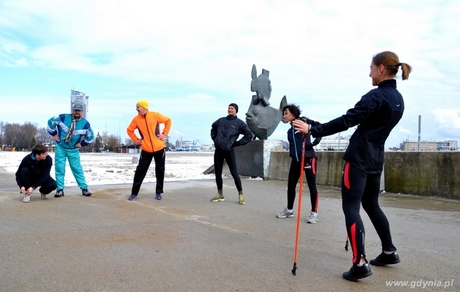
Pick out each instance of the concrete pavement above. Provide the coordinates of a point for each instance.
(186, 243)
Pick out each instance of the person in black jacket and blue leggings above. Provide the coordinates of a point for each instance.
(290, 113)
(225, 132)
(377, 113)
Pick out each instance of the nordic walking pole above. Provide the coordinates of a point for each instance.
(299, 208)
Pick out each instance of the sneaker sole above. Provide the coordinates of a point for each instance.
(287, 216)
(356, 278)
(378, 264)
(215, 201)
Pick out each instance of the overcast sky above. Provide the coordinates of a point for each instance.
(190, 59)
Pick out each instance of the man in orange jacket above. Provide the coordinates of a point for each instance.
(147, 124)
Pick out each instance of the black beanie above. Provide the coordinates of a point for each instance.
(235, 106)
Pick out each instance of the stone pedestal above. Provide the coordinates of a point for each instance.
(253, 159)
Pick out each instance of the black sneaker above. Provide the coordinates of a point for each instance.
(86, 193)
(59, 193)
(386, 259)
(356, 272)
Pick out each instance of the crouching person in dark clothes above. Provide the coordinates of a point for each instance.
(34, 171)
(225, 132)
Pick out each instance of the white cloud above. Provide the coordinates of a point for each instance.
(194, 57)
(404, 130)
(448, 118)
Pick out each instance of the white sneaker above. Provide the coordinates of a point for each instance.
(313, 217)
(26, 198)
(285, 214)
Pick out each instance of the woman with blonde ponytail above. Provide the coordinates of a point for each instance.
(390, 61)
(377, 113)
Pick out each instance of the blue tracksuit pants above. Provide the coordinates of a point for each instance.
(73, 155)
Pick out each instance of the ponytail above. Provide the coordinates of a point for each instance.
(406, 69)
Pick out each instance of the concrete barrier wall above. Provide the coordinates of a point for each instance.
(418, 173)
(423, 173)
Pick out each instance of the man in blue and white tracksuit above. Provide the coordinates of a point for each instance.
(71, 132)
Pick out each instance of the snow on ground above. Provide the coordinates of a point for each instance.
(118, 168)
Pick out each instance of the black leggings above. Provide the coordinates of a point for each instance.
(143, 166)
(293, 178)
(229, 156)
(361, 188)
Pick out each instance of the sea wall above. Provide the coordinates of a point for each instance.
(417, 173)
